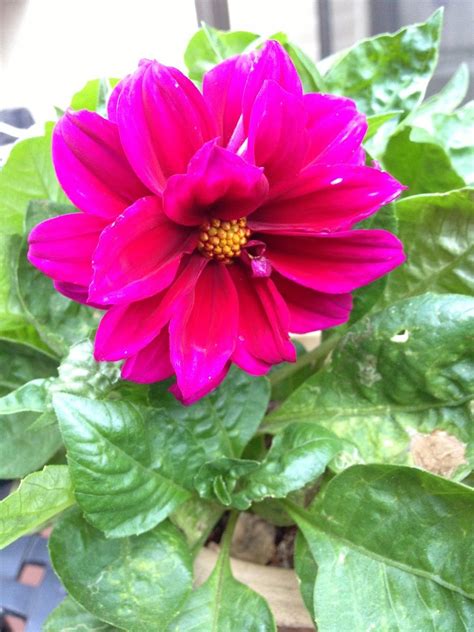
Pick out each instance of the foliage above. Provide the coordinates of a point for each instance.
(383, 545)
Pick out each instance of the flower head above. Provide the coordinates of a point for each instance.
(213, 224)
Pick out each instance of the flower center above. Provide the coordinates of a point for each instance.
(223, 240)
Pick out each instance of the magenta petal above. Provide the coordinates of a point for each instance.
(207, 388)
(335, 263)
(223, 88)
(217, 182)
(270, 63)
(325, 198)
(311, 310)
(276, 133)
(163, 120)
(263, 322)
(335, 130)
(203, 330)
(62, 247)
(138, 255)
(247, 362)
(152, 363)
(113, 99)
(126, 329)
(91, 166)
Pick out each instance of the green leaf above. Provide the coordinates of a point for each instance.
(40, 497)
(297, 457)
(20, 364)
(32, 396)
(420, 163)
(406, 369)
(132, 583)
(209, 46)
(196, 519)
(222, 423)
(388, 72)
(94, 95)
(110, 463)
(376, 121)
(455, 132)
(22, 451)
(70, 616)
(396, 543)
(27, 175)
(59, 321)
(437, 232)
(306, 569)
(447, 99)
(223, 603)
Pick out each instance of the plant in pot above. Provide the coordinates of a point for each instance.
(144, 404)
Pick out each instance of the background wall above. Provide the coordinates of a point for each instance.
(49, 48)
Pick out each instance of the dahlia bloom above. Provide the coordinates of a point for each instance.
(213, 224)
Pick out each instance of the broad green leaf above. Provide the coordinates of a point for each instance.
(14, 323)
(110, 462)
(420, 163)
(59, 321)
(395, 544)
(388, 72)
(27, 175)
(223, 422)
(134, 583)
(22, 451)
(223, 604)
(94, 95)
(437, 232)
(196, 518)
(306, 569)
(447, 99)
(209, 46)
(455, 132)
(69, 616)
(40, 497)
(32, 396)
(20, 364)
(406, 369)
(297, 457)
(376, 121)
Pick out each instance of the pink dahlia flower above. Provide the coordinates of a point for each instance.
(213, 224)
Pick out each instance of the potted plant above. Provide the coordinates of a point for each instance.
(144, 406)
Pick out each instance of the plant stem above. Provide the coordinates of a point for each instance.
(226, 540)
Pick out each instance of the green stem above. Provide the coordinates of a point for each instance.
(226, 540)
(314, 358)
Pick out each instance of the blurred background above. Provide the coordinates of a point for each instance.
(50, 48)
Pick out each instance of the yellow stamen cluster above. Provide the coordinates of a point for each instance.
(223, 240)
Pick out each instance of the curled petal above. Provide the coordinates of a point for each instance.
(277, 135)
(126, 329)
(311, 310)
(325, 198)
(335, 130)
(263, 323)
(62, 247)
(217, 182)
(163, 120)
(335, 263)
(91, 166)
(203, 331)
(152, 363)
(78, 293)
(138, 255)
